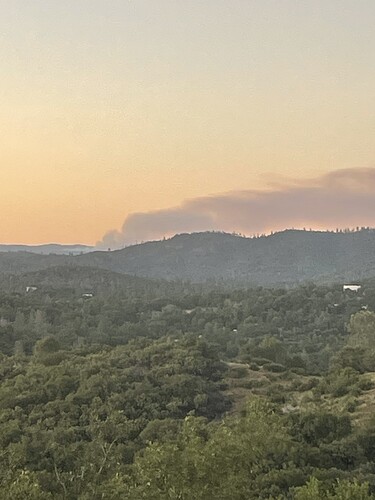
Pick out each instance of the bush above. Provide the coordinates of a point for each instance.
(351, 405)
(276, 393)
(237, 372)
(298, 371)
(340, 382)
(254, 383)
(305, 384)
(260, 361)
(254, 367)
(275, 367)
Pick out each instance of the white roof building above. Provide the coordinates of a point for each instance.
(352, 288)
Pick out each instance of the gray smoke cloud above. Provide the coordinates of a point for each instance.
(341, 198)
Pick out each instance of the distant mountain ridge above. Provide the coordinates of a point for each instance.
(287, 257)
(47, 249)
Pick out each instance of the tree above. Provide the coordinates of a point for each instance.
(24, 487)
(229, 461)
(343, 490)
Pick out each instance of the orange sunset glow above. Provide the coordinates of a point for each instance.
(113, 109)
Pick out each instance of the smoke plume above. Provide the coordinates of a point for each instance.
(341, 198)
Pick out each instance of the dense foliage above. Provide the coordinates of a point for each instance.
(127, 388)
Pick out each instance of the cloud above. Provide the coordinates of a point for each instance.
(341, 198)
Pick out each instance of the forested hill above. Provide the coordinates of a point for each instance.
(78, 279)
(254, 393)
(283, 258)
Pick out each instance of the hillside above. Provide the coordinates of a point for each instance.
(110, 393)
(287, 257)
(23, 262)
(77, 278)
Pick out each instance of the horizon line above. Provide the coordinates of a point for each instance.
(338, 230)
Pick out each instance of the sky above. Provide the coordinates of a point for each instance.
(128, 120)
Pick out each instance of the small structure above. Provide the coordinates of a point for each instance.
(31, 289)
(87, 295)
(352, 288)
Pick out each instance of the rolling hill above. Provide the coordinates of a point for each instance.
(287, 257)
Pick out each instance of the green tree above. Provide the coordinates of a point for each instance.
(343, 490)
(24, 487)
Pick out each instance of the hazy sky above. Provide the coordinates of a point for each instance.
(114, 110)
